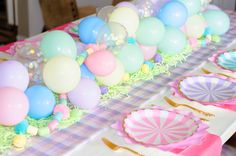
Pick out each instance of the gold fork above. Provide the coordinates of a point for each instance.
(209, 72)
(115, 147)
(174, 104)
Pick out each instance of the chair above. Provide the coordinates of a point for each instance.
(59, 12)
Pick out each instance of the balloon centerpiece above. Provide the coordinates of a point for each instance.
(122, 44)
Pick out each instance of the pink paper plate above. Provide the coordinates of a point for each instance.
(159, 128)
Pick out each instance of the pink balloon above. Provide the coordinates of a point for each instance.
(101, 63)
(86, 95)
(14, 106)
(148, 51)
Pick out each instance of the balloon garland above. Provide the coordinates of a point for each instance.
(121, 41)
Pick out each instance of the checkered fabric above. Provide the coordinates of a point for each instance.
(62, 141)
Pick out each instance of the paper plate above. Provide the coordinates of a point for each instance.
(227, 61)
(159, 127)
(207, 89)
(184, 137)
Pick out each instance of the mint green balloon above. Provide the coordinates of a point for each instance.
(56, 43)
(131, 57)
(218, 22)
(173, 42)
(193, 6)
(150, 32)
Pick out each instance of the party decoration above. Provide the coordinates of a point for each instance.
(61, 74)
(89, 28)
(207, 89)
(157, 58)
(150, 32)
(14, 106)
(113, 35)
(86, 73)
(126, 17)
(86, 95)
(212, 7)
(173, 42)
(105, 12)
(128, 5)
(227, 60)
(41, 101)
(131, 57)
(158, 132)
(193, 6)
(115, 77)
(173, 13)
(216, 26)
(101, 63)
(56, 43)
(148, 51)
(13, 74)
(146, 8)
(195, 26)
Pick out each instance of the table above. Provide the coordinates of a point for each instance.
(83, 138)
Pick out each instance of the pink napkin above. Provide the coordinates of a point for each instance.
(211, 145)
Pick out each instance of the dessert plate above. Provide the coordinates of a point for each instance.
(227, 61)
(159, 127)
(207, 89)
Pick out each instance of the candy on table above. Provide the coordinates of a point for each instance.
(104, 89)
(150, 64)
(19, 141)
(126, 77)
(157, 58)
(22, 127)
(145, 68)
(32, 130)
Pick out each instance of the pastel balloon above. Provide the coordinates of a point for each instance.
(56, 43)
(61, 74)
(173, 13)
(127, 4)
(126, 17)
(101, 63)
(193, 6)
(13, 74)
(89, 28)
(148, 51)
(150, 31)
(146, 8)
(112, 35)
(173, 42)
(195, 26)
(86, 73)
(115, 77)
(86, 95)
(218, 22)
(41, 101)
(105, 12)
(131, 57)
(14, 106)
(212, 7)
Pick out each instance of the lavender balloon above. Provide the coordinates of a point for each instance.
(86, 95)
(13, 74)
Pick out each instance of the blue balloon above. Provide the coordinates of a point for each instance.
(86, 73)
(173, 13)
(41, 101)
(89, 28)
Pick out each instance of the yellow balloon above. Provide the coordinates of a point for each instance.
(115, 77)
(126, 17)
(195, 26)
(61, 74)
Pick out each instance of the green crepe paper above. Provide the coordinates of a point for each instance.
(7, 134)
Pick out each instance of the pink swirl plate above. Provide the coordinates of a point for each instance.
(207, 89)
(163, 129)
